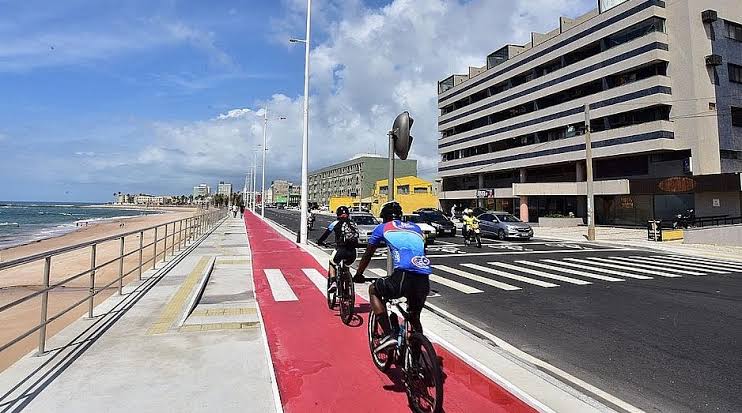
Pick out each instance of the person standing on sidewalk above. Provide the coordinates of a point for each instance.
(242, 210)
(411, 275)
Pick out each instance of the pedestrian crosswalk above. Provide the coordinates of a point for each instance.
(469, 278)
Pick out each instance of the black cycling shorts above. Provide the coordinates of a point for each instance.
(348, 255)
(412, 286)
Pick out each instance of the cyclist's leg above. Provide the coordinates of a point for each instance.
(384, 289)
(416, 288)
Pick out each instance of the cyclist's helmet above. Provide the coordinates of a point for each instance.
(390, 211)
(342, 212)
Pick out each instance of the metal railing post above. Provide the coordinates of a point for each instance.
(180, 234)
(92, 279)
(164, 250)
(121, 267)
(154, 252)
(141, 247)
(44, 305)
(172, 247)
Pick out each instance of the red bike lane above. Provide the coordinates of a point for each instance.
(323, 365)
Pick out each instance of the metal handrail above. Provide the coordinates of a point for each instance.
(35, 257)
(188, 229)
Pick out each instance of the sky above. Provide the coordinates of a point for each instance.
(156, 96)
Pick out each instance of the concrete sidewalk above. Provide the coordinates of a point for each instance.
(637, 238)
(187, 338)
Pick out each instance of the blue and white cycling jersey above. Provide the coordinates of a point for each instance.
(332, 225)
(406, 243)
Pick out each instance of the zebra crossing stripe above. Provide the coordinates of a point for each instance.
(279, 286)
(440, 280)
(511, 276)
(622, 266)
(316, 278)
(570, 271)
(652, 266)
(598, 269)
(477, 278)
(540, 273)
(693, 267)
(726, 264)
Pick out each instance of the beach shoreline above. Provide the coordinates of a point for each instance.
(18, 281)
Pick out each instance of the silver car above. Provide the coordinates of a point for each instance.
(366, 224)
(504, 225)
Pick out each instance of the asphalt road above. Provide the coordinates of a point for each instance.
(661, 332)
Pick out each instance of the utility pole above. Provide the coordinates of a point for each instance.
(305, 136)
(390, 196)
(589, 167)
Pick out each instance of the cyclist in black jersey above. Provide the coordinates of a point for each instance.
(345, 249)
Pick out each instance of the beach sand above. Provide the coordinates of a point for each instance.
(25, 279)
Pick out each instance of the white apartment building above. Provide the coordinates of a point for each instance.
(201, 190)
(224, 188)
(663, 81)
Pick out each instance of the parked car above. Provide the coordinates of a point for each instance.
(504, 225)
(437, 220)
(428, 230)
(366, 224)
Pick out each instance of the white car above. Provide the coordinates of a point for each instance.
(428, 230)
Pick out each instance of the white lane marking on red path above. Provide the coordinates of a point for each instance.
(440, 280)
(511, 276)
(540, 273)
(698, 260)
(629, 261)
(622, 266)
(571, 271)
(477, 278)
(280, 288)
(316, 278)
(692, 267)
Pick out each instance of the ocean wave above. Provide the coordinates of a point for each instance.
(5, 224)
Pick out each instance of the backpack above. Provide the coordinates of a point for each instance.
(349, 234)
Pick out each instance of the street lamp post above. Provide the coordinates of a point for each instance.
(265, 148)
(305, 135)
(254, 179)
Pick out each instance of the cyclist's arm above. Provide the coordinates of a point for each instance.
(324, 236)
(373, 242)
(366, 259)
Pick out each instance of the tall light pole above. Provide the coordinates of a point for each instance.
(254, 179)
(305, 135)
(265, 148)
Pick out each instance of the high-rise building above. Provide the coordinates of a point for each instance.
(663, 83)
(201, 190)
(224, 188)
(355, 177)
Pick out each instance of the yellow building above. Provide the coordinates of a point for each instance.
(412, 193)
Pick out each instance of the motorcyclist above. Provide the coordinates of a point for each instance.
(469, 221)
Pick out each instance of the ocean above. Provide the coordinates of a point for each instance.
(23, 222)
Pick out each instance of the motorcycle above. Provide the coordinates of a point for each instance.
(310, 222)
(684, 220)
(473, 234)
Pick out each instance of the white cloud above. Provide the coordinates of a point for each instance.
(370, 65)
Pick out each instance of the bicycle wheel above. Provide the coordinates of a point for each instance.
(331, 297)
(347, 296)
(423, 378)
(382, 359)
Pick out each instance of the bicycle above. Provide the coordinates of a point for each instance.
(345, 293)
(414, 354)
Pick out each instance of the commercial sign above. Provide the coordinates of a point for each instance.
(677, 184)
(485, 193)
(605, 5)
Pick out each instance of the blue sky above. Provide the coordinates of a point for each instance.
(105, 96)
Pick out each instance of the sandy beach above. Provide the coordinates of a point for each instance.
(23, 280)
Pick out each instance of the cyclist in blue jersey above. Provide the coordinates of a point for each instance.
(410, 277)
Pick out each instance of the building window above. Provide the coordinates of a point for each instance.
(735, 73)
(734, 31)
(421, 190)
(726, 154)
(403, 190)
(736, 116)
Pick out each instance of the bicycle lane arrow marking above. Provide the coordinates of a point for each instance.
(324, 366)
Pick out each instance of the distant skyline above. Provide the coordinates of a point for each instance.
(158, 96)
